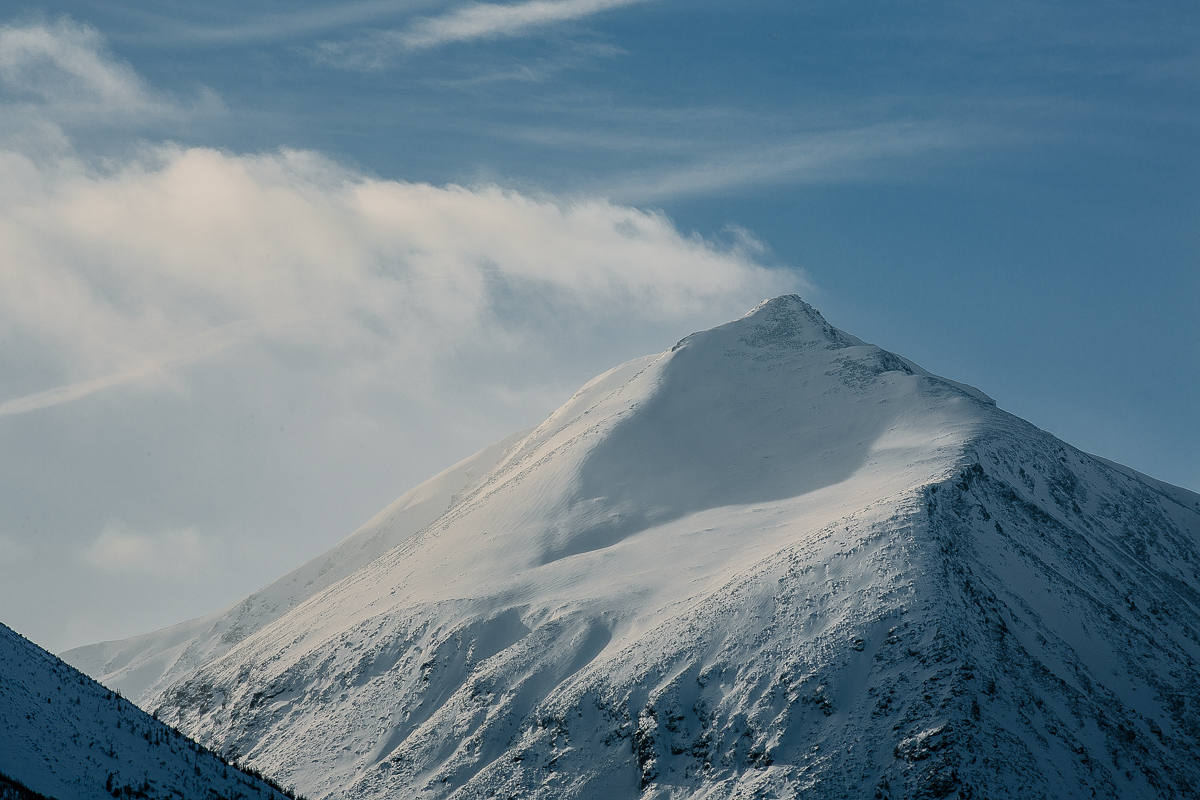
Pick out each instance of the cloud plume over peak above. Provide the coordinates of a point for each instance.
(123, 272)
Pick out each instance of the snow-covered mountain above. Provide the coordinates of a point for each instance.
(62, 735)
(771, 561)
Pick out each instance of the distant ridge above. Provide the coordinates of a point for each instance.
(773, 561)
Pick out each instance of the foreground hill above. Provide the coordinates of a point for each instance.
(63, 735)
(771, 561)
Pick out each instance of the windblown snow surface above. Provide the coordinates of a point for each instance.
(62, 735)
(772, 562)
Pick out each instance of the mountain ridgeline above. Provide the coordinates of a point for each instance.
(773, 561)
(64, 736)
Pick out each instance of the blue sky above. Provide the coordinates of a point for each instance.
(271, 264)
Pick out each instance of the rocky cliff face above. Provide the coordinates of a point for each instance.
(773, 560)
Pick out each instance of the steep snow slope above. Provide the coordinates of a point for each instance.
(63, 735)
(137, 664)
(773, 559)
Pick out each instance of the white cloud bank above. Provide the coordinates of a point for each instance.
(112, 273)
(181, 252)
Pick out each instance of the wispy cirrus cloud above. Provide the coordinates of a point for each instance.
(821, 156)
(65, 63)
(63, 69)
(56, 76)
(195, 348)
(466, 23)
(496, 20)
(249, 24)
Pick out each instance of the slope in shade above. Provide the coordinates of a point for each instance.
(773, 560)
(62, 735)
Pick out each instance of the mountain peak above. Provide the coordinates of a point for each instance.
(775, 559)
(785, 305)
(788, 321)
(781, 323)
